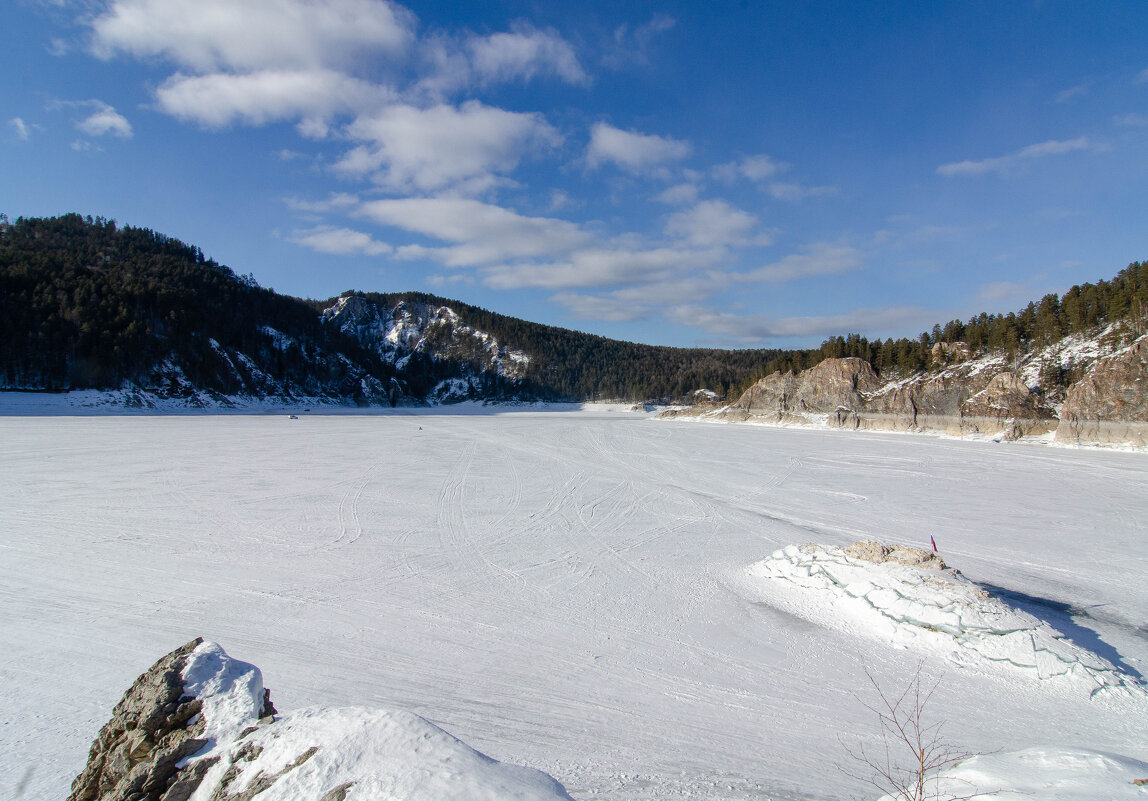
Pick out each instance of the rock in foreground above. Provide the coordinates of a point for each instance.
(198, 726)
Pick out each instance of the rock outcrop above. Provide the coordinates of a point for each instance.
(199, 723)
(821, 390)
(1110, 403)
(847, 393)
(985, 396)
(135, 754)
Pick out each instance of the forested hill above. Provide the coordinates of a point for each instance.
(87, 304)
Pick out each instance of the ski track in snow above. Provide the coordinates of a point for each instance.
(553, 588)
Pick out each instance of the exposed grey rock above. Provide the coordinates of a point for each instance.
(823, 389)
(846, 393)
(135, 754)
(879, 553)
(1110, 403)
(337, 793)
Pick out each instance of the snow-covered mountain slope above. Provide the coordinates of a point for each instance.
(437, 332)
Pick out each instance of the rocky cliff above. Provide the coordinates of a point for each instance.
(1110, 404)
(987, 396)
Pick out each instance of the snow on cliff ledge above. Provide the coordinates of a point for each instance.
(909, 597)
(349, 754)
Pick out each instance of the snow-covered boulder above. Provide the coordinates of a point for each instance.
(232, 745)
(904, 596)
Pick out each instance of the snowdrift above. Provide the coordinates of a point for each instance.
(910, 598)
(1044, 774)
(344, 754)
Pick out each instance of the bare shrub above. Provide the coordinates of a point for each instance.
(913, 752)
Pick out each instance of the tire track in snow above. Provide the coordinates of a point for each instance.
(453, 528)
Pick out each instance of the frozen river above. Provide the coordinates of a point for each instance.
(554, 588)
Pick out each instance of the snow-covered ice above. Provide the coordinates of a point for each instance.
(556, 589)
(928, 608)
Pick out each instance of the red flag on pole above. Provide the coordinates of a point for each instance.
(934, 544)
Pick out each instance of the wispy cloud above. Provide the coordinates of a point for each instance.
(631, 45)
(1131, 120)
(757, 328)
(715, 223)
(678, 195)
(604, 266)
(103, 120)
(22, 128)
(1071, 93)
(1052, 147)
(795, 191)
(814, 260)
(522, 54)
(634, 152)
(336, 201)
(754, 168)
(339, 241)
(1001, 294)
(482, 233)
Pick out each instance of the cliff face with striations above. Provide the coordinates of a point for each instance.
(1110, 404)
(986, 396)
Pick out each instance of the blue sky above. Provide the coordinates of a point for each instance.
(732, 174)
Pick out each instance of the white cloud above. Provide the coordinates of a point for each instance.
(752, 328)
(560, 199)
(453, 63)
(1142, 76)
(998, 293)
(105, 120)
(339, 241)
(1132, 120)
(678, 195)
(21, 128)
(632, 151)
(599, 307)
(643, 301)
(209, 35)
(482, 233)
(715, 223)
(1052, 147)
(266, 96)
(817, 259)
(795, 191)
(423, 150)
(632, 46)
(523, 54)
(335, 201)
(602, 266)
(754, 168)
(1071, 93)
